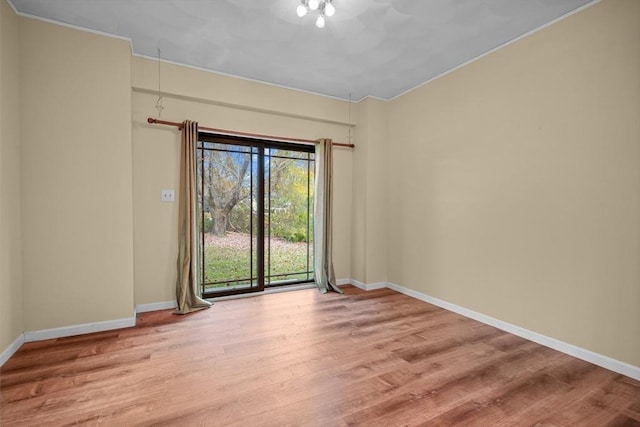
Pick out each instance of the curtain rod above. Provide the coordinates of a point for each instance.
(255, 135)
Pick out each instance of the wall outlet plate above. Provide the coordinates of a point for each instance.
(167, 195)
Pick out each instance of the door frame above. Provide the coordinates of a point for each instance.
(261, 145)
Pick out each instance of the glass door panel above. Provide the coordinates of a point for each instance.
(288, 216)
(228, 191)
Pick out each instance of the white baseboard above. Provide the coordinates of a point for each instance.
(572, 350)
(86, 328)
(367, 286)
(13, 347)
(155, 306)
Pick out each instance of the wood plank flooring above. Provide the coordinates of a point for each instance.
(300, 358)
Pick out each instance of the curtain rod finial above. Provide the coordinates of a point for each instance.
(151, 120)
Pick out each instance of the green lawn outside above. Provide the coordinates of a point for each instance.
(228, 258)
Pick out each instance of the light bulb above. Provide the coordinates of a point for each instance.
(301, 11)
(313, 4)
(320, 22)
(329, 10)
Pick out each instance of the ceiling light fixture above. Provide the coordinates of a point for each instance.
(324, 7)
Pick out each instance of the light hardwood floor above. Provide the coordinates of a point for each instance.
(300, 358)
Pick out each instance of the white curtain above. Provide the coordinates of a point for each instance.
(324, 274)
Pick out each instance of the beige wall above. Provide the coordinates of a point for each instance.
(227, 103)
(369, 222)
(77, 225)
(515, 183)
(11, 325)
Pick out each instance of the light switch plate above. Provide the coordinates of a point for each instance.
(167, 195)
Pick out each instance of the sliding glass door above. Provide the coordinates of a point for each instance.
(255, 208)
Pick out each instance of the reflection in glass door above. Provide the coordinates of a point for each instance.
(255, 209)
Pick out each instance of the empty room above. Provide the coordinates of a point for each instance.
(320, 213)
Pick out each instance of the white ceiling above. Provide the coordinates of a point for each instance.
(378, 48)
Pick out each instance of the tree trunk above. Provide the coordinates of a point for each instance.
(220, 222)
(222, 197)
